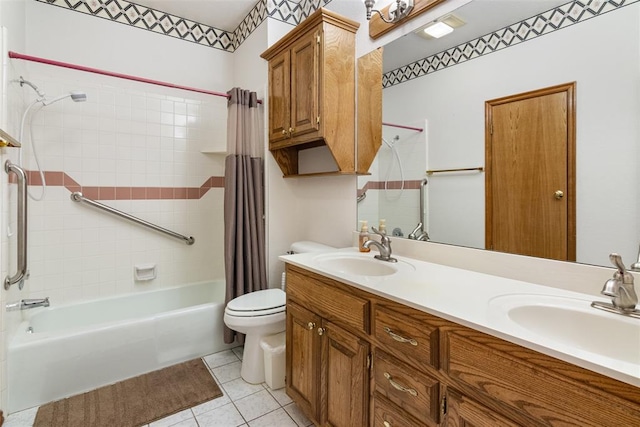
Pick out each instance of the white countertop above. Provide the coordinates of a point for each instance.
(476, 300)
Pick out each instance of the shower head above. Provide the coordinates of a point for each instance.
(74, 95)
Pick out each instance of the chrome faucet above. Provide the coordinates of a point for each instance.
(28, 303)
(384, 246)
(620, 289)
(419, 233)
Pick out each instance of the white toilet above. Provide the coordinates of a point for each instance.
(259, 314)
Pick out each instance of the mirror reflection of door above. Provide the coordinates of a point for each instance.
(530, 173)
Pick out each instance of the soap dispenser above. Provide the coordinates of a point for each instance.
(364, 236)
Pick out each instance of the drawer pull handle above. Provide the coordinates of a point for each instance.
(399, 338)
(400, 387)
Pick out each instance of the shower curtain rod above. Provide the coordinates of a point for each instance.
(403, 127)
(16, 55)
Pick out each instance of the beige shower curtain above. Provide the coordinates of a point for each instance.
(244, 236)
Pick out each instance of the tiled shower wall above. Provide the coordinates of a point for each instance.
(135, 147)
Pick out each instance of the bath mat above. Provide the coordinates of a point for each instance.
(136, 401)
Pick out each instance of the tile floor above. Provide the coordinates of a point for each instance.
(242, 404)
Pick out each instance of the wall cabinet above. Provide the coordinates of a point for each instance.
(406, 367)
(312, 90)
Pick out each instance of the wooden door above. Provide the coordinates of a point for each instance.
(279, 97)
(345, 380)
(303, 353)
(530, 173)
(464, 412)
(305, 81)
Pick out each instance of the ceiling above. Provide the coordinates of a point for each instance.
(481, 17)
(221, 14)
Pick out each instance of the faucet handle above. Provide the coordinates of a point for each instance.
(616, 260)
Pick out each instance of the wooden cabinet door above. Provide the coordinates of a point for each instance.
(279, 96)
(305, 84)
(345, 379)
(303, 352)
(463, 412)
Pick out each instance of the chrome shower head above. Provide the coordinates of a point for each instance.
(74, 95)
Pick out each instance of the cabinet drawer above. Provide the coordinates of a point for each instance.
(411, 390)
(328, 300)
(386, 414)
(512, 376)
(410, 340)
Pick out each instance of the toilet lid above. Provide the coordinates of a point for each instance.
(271, 300)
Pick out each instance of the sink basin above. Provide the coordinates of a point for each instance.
(358, 265)
(572, 322)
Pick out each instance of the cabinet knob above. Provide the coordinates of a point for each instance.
(558, 194)
(321, 331)
(284, 131)
(291, 130)
(311, 326)
(386, 424)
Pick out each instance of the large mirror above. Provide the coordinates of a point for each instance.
(434, 115)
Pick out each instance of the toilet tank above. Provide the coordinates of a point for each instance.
(306, 246)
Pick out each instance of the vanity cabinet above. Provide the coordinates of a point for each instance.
(428, 371)
(328, 361)
(312, 91)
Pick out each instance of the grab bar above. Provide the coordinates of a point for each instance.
(78, 197)
(21, 274)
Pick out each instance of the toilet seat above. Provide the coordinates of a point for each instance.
(257, 303)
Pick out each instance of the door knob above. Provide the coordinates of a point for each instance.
(558, 194)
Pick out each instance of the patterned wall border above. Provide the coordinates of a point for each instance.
(555, 19)
(135, 15)
(61, 179)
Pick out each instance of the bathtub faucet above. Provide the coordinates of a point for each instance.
(28, 303)
(33, 303)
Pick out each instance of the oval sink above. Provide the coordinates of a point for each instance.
(358, 265)
(573, 322)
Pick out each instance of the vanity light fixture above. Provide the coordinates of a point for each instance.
(398, 10)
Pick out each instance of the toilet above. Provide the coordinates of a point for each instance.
(259, 314)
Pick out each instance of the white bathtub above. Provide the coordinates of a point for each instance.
(76, 348)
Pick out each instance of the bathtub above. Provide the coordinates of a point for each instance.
(61, 351)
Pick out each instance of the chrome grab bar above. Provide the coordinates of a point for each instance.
(78, 197)
(21, 274)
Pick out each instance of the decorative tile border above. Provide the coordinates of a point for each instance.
(552, 20)
(61, 179)
(135, 15)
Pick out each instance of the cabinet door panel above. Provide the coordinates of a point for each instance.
(345, 379)
(279, 97)
(305, 70)
(303, 358)
(463, 412)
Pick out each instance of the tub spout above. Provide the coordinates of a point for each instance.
(33, 303)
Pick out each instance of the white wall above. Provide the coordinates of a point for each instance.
(602, 56)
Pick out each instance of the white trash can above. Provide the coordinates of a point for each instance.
(274, 360)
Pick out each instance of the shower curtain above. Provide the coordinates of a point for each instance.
(244, 235)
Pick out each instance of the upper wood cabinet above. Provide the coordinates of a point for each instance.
(312, 91)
